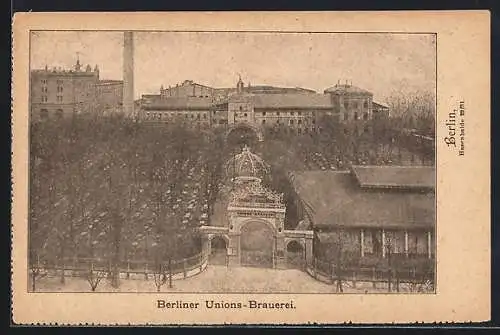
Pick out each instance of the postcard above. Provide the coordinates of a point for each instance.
(251, 168)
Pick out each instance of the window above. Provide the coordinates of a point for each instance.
(59, 89)
(192, 116)
(367, 129)
(204, 116)
(44, 98)
(292, 113)
(365, 105)
(299, 131)
(44, 81)
(291, 121)
(186, 116)
(245, 115)
(263, 121)
(355, 104)
(278, 121)
(356, 116)
(365, 116)
(277, 113)
(241, 108)
(299, 121)
(299, 113)
(346, 105)
(313, 121)
(59, 82)
(263, 113)
(198, 116)
(59, 98)
(346, 116)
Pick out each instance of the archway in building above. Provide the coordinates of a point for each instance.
(218, 251)
(240, 135)
(44, 114)
(295, 255)
(257, 244)
(59, 113)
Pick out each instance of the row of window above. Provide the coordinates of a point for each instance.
(291, 113)
(45, 89)
(186, 116)
(354, 104)
(44, 113)
(291, 121)
(356, 116)
(59, 98)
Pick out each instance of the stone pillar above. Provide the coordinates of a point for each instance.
(406, 243)
(233, 250)
(383, 244)
(309, 250)
(128, 73)
(206, 245)
(362, 242)
(280, 251)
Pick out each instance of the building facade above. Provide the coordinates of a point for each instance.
(370, 214)
(60, 92)
(110, 96)
(266, 107)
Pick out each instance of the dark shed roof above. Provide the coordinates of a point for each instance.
(334, 198)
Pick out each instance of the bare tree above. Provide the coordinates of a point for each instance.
(94, 277)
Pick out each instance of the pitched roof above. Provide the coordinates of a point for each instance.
(347, 89)
(291, 101)
(418, 177)
(333, 198)
(379, 105)
(177, 103)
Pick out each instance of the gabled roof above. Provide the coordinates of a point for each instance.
(291, 101)
(347, 89)
(379, 105)
(409, 177)
(333, 198)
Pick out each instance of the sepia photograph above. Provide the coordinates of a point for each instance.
(232, 162)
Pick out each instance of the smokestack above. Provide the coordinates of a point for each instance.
(128, 73)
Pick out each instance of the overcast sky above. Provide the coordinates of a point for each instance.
(381, 63)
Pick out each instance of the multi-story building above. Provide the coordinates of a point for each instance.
(266, 107)
(110, 96)
(58, 92)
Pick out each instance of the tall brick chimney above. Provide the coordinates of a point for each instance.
(128, 73)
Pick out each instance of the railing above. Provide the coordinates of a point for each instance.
(393, 278)
(129, 269)
(255, 205)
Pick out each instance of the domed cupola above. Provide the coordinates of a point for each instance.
(247, 164)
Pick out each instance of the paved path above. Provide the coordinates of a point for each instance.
(215, 279)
